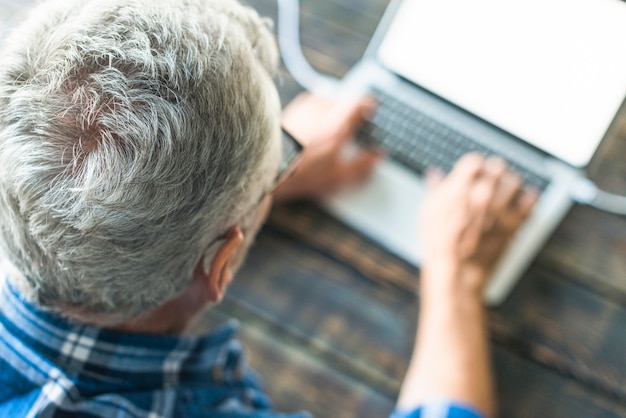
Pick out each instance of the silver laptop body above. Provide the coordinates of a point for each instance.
(386, 209)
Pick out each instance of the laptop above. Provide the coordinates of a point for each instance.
(538, 82)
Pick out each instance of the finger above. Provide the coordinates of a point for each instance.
(519, 209)
(501, 181)
(297, 115)
(314, 101)
(461, 182)
(305, 106)
(482, 195)
(495, 167)
(490, 181)
(466, 171)
(359, 168)
(508, 191)
(526, 202)
(303, 100)
(348, 116)
(485, 188)
(434, 177)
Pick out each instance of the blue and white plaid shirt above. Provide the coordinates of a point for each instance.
(50, 367)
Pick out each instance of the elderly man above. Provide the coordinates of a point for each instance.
(140, 146)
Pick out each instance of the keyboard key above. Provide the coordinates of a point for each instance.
(419, 142)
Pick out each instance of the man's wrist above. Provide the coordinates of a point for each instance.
(452, 280)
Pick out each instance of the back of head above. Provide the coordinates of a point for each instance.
(132, 133)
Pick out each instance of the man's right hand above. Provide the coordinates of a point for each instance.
(468, 219)
(470, 216)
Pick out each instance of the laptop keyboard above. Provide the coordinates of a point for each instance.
(419, 142)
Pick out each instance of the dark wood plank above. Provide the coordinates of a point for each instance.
(308, 222)
(607, 166)
(527, 390)
(294, 379)
(549, 318)
(345, 36)
(589, 248)
(362, 11)
(298, 381)
(563, 326)
(369, 328)
(533, 378)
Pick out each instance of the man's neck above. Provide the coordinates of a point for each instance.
(173, 317)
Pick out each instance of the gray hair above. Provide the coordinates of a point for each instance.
(132, 134)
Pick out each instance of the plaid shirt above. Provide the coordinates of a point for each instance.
(50, 367)
(438, 409)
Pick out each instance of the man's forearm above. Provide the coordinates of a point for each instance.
(468, 218)
(451, 356)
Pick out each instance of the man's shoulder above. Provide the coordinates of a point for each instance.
(52, 367)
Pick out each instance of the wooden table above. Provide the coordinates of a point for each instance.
(329, 318)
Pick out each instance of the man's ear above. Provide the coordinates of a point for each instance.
(217, 272)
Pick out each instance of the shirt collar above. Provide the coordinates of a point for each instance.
(123, 357)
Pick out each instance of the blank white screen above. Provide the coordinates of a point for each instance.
(552, 72)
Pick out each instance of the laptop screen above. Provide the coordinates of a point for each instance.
(551, 72)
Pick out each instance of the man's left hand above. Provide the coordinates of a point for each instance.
(325, 127)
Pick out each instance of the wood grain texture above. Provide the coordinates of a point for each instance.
(305, 304)
(527, 390)
(295, 379)
(368, 327)
(551, 318)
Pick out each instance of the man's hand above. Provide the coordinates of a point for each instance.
(325, 127)
(470, 216)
